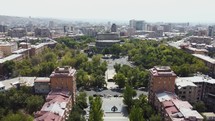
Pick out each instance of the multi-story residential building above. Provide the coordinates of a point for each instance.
(8, 48)
(173, 109)
(3, 28)
(17, 32)
(209, 62)
(162, 96)
(113, 28)
(162, 79)
(200, 39)
(42, 32)
(56, 108)
(211, 31)
(24, 52)
(36, 49)
(42, 85)
(13, 57)
(193, 89)
(64, 78)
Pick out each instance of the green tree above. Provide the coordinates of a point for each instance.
(128, 95)
(136, 114)
(8, 68)
(18, 117)
(117, 67)
(34, 103)
(155, 118)
(96, 113)
(120, 79)
(200, 106)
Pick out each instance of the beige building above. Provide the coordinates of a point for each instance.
(210, 116)
(8, 48)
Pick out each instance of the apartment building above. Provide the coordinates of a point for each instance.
(64, 78)
(8, 48)
(174, 109)
(196, 88)
(209, 62)
(162, 79)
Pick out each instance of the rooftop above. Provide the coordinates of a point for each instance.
(108, 40)
(9, 83)
(184, 83)
(55, 107)
(166, 96)
(189, 81)
(42, 79)
(162, 71)
(63, 71)
(47, 116)
(9, 58)
(205, 58)
(178, 110)
(20, 51)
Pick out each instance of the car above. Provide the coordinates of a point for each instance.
(95, 95)
(116, 95)
(142, 88)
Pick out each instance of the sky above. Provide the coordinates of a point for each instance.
(202, 11)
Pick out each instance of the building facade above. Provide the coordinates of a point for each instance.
(197, 88)
(162, 79)
(64, 78)
(17, 32)
(42, 85)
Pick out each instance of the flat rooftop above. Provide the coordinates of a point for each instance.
(9, 58)
(9, 83)
(187, 81)
(162, 71)
(108, 41)
(205, 58)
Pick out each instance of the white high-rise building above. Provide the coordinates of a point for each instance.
(137, 24)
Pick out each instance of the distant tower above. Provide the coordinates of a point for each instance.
(51, 24)
(162, 79)
(113, 28)
(211, 31)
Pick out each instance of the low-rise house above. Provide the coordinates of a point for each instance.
(42, 85)
(210, 116)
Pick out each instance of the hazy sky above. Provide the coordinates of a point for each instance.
(150, 10)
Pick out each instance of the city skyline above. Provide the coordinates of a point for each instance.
(196, 11)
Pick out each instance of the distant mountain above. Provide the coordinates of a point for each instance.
(13, 21)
